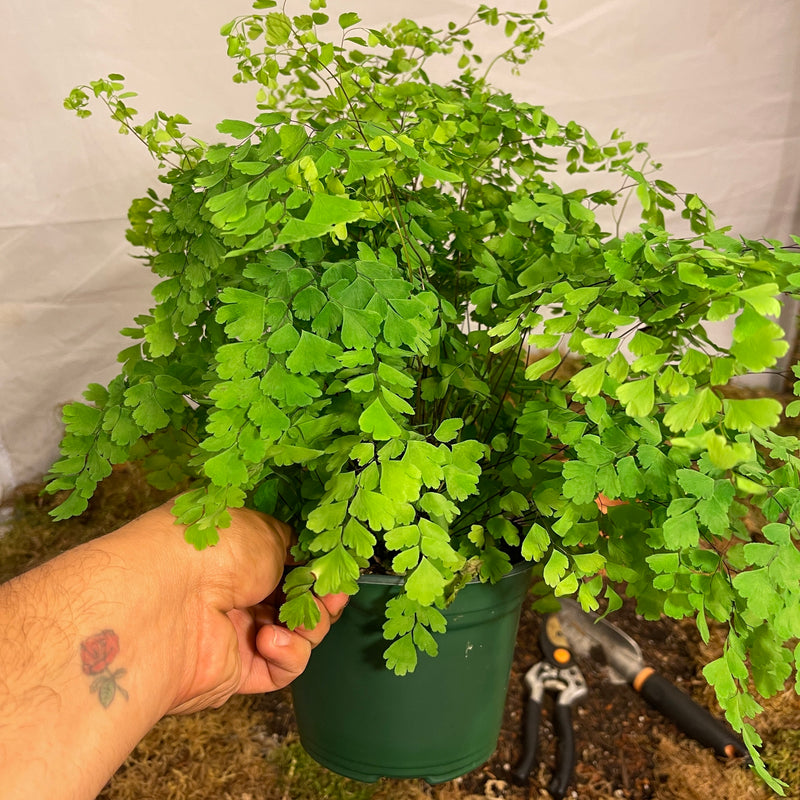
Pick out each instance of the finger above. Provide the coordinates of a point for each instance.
(281, 656)
(335, 604)
(264, 614)
(330, 607)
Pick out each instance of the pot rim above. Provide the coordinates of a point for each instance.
(398, 580)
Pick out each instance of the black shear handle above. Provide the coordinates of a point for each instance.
(566, 748)
(533, 716)
(566, 751)
(691, 718)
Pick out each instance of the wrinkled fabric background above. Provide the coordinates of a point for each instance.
(712, 85)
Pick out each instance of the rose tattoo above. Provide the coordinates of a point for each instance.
(97, 652)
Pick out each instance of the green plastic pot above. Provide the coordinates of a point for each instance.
(357, 718)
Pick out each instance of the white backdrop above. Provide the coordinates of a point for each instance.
(712, 85)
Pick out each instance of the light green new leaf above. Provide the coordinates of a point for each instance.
(435, 544)
(589, 381)
(402, 537)
(758, 342)
(400, 617)
(298, 230)
(348, 20)
(567, 586)
(590, 451)
(693, 362)
(396, 402)
(148, 413)
(425, 584)
(460, 484)
(400, 481)
(327, 516)
(300, 610)
(360, 328)
(535, 543)
(75, 504)
(699, 407)
(600, 346)
(555, 568)
(638, 397)
(494, 564)
(314, 354)
(725, 454)
(377, 510)
(356, 537)
(283, 340)
(742, 415)
(674, 384)
(436, 504)
(376, 421)
(335, 572)
(401, 655)
(227, 468)
(435, 173)
(643, 344)
(426, 458)
(714, 511)
(279, 28)
(229, 206)
(630, 477)
(424, 641)
(448, 430)
(538, 368)
(329, 209)
(681, 531)
(361, 383)
(664, 563)
(762, 298)
(394, 377)
(308, 303)
(524, 210)
(288, 389)
(718, 675)
(237, 129)
(692, 273)
(589, 563)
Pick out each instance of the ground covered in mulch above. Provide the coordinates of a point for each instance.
(249, 750)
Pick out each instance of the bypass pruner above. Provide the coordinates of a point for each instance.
(555, 674)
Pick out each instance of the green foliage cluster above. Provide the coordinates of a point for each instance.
(366, 297)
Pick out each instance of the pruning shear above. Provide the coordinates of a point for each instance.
(556, 674)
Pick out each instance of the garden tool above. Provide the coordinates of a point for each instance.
(556, 674)
(593, 636)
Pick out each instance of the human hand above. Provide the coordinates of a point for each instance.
(184, 629)
(233, 643)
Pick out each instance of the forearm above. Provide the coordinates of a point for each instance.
(99, 644)
(71, 708)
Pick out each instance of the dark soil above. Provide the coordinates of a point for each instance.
(248, 750)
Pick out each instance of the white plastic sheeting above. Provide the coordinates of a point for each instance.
(712, 85)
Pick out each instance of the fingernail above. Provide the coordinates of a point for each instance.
(280, 636)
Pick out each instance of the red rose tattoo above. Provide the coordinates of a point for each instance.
(97, 652)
